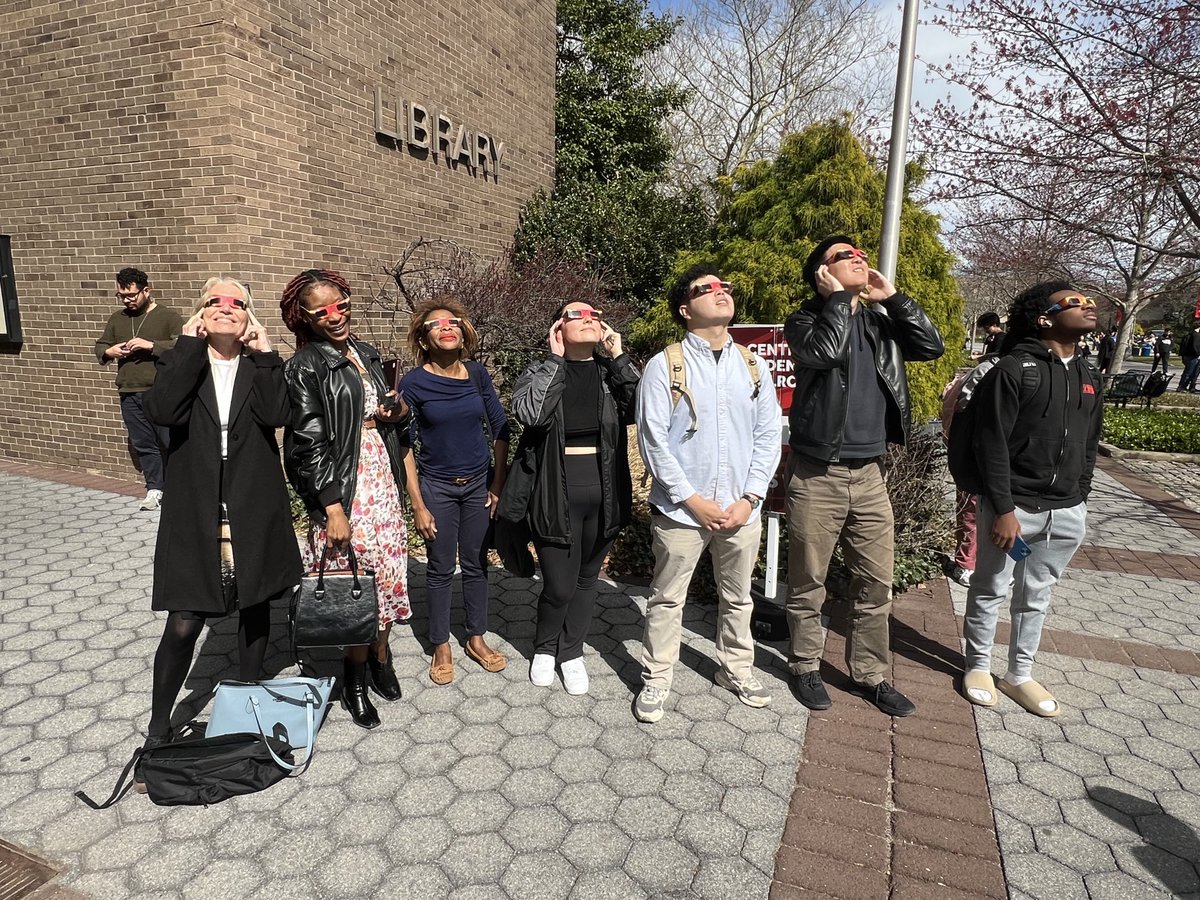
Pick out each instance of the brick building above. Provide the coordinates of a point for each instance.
(192, 137)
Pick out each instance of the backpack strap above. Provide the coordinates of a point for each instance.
(475, 371)
(122, 786)
(677, 378)
(752, 365)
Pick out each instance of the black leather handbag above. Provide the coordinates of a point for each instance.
(336, 608)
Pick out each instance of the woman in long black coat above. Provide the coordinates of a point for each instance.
(221, 393)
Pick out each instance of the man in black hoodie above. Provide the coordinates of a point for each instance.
(1036, 432)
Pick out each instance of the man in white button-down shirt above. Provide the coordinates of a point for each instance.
(712, 451)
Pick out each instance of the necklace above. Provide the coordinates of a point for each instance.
(138, 327)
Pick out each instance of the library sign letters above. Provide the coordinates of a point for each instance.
(427, 132)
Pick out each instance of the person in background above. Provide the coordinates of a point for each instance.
(993, 334)
(1162, 351)
(1189, 353)
(343, 455)
(571, 480)
(136, 336)
(456, 476)
(225, 540)
(1106, 352)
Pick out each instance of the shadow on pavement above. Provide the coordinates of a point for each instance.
(1171, 847)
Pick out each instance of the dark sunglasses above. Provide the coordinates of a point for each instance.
(342, 306)
(843, 255)
(225, 300)
(443, 322)
(1070, 303)
(708, 287)
(575, 315)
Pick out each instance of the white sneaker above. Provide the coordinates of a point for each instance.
(541, 670)
(151, 501)
(575, 676)
(962, 576)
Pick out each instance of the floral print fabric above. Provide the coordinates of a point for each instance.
(376, 524)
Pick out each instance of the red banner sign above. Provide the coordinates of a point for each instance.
(769, 343)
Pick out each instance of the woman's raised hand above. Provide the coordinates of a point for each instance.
(194, 327)
(255, 336)
(557, 347)
(611, 340)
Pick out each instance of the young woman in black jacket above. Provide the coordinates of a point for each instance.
(343, 456)
(570, 480)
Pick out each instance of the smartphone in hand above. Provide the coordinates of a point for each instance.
(1019, 550)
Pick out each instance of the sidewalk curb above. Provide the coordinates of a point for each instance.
(1156, 455)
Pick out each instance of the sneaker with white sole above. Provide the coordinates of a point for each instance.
(962, 576)
(749, 689)
(575, 676)
(649, 704)
(151, 501)
(541, 670)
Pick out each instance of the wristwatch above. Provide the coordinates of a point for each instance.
(755, 502)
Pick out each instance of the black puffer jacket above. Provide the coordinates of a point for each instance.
(321, 443)
(536, 488)
(818, 335)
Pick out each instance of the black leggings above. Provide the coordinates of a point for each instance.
(173, 660)
(569, 574)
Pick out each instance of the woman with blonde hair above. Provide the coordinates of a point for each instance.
(460, 435)
(343, 455)
(225, 540)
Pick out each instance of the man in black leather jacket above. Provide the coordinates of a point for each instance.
(850, 402)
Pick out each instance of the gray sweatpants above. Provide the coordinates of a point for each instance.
(1054, 536)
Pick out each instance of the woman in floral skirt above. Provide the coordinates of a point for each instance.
(343, 457)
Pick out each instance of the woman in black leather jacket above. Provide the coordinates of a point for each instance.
(342, 455)
(570, 479)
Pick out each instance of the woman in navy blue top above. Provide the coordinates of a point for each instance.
(452, 479)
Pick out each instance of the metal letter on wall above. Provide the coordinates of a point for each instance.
(462, 147)
(418, 125)
(381, 124)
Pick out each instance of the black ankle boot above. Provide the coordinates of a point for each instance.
(354, 695)
(383, 676)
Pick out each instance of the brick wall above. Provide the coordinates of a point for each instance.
(189, 138)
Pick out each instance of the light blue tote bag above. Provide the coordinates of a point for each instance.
(288, 709)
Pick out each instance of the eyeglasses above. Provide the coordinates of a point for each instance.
(699, 290)
(843, 255)
(444, 322)
(132, 296)
(575, 315)
(225, 300)
(342, 306)
(1070, 303)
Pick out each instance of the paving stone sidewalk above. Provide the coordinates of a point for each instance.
(493, 788)
(489, 787)
(1104, 801)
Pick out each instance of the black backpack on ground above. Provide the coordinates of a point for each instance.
(199, 771)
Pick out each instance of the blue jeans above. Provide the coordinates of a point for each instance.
(1191, 368)
(461, 515)
(145, 439)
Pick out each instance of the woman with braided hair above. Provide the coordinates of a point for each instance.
(342, 453)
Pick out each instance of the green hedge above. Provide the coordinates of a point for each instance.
(1161, 430)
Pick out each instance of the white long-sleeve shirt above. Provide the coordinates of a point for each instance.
(736, 445)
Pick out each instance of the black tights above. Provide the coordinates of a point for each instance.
(569, 574)
(173, 660)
